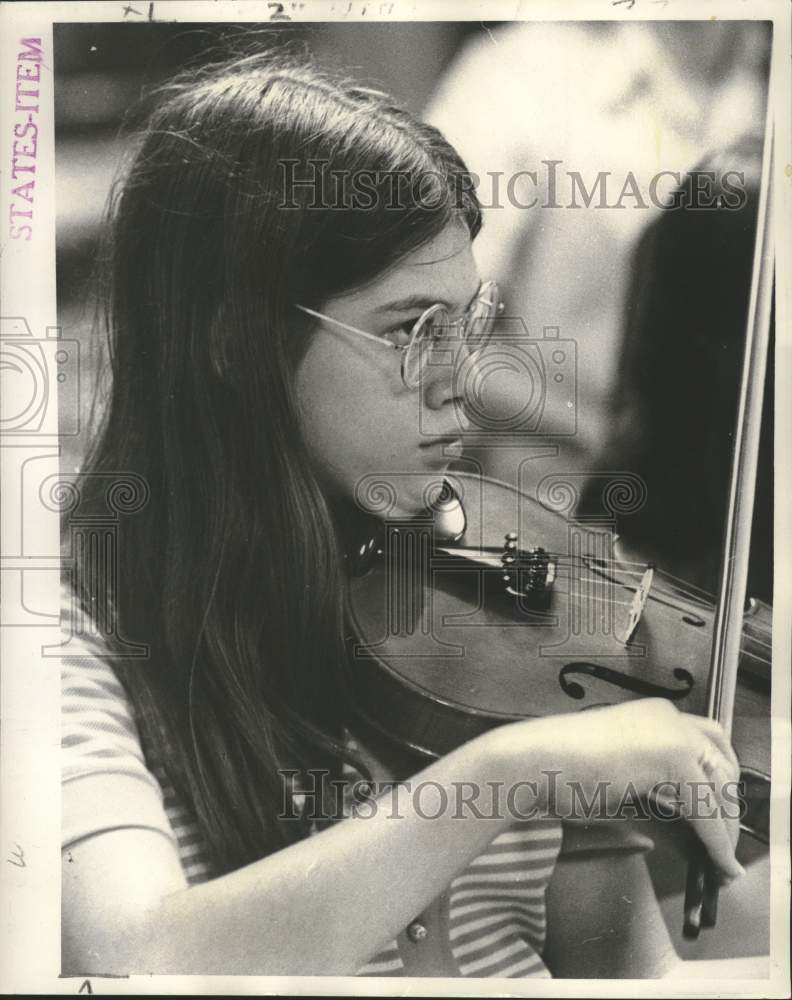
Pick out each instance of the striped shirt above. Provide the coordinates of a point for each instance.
(493, 912)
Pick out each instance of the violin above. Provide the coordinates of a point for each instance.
(493, 607)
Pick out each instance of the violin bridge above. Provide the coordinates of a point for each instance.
(638, 604)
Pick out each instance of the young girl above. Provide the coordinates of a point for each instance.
(275, 233)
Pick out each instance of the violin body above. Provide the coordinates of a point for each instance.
(450, 643)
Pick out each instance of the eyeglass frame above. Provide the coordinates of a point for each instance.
(485, 287)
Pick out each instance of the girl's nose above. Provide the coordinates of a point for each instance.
(446, 378)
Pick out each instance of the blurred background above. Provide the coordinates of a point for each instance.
(102, 69)
(654, 302)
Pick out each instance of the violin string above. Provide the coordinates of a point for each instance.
(623, 604)
(593, 598)
(766, 660)
(655, 594)
(685, 589)
(762, 642)
(682, 586)
(704, 597)
(655, 590)
(692, 592)
(628, 604)
(681, 589)
(596, 562)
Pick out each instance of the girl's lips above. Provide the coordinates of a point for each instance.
(449, 445)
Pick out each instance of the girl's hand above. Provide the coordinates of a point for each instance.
(642, 748)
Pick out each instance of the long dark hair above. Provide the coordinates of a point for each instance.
(231, 574)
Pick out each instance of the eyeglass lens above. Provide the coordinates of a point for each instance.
(436, 333)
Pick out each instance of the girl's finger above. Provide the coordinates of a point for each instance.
(715, 732)
(726, 793)
(700, 806)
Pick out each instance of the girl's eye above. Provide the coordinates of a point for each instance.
(400, 336)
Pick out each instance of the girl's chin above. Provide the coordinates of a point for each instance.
(403, 494)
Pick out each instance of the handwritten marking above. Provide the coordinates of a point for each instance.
(131, 10)
(19, 854)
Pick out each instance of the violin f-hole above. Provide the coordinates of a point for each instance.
(574, 689)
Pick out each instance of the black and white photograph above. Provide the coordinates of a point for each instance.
(396, 538)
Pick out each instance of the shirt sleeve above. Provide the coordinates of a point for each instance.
(106, 784)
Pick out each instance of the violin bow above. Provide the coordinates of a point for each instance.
(701, 890)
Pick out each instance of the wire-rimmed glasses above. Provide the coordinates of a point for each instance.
(434, 331)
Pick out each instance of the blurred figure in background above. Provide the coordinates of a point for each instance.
(655, 300)
(678, 381)
(552, 107)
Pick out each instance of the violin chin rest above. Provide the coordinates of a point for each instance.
(450, 522)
